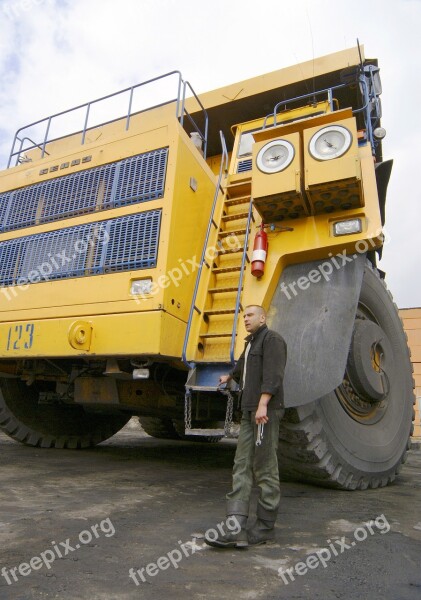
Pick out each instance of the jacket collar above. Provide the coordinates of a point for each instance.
(254, 335)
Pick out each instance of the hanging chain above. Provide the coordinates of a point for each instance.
(228, 414)
(187, 411)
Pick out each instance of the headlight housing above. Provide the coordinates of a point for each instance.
(330, 142)
(347, 227)
(275, 156)
(140, 287)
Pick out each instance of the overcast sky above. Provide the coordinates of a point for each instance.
(55, 54)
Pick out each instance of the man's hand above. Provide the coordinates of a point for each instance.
(224, 379)
(261, 415)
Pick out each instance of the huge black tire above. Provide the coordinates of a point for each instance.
(51, 425)
(159, 428)
(210, 439)
(347, 439)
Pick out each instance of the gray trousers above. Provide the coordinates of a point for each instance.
(260, 461)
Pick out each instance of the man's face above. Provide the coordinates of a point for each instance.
(253, 319)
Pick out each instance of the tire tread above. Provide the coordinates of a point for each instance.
(302, 439)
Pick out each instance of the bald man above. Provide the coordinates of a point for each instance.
(259, 372)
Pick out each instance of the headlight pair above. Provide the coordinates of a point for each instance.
(328, 143)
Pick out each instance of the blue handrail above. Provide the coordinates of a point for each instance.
(203, 134)
(327, 91)
(240, 283)
(370, 121)
(224, 161)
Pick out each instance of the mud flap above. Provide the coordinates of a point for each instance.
(316, 320)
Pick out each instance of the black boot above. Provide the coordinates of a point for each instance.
(234, 533)
(263, 531)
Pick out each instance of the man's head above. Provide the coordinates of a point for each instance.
(254, 317)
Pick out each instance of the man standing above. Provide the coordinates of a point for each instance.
(260, 372)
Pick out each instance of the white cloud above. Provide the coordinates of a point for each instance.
(55, 54)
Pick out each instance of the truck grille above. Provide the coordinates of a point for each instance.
(122, 244)
(135, 179)
(245, 165)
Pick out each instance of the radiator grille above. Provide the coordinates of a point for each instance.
(4, 203)
(135, 179)
(128, 235)
(121, 244)
(141, 180)
(10, 253)
(245, 165)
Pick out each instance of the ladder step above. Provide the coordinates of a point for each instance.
(215, 335)
(234, 217)
(221, 290)
(226, 269)
(230, 251)
(203, 388)
(220, 311)
(240, 188)
(206, 432)
(223, 234)
(235, 201)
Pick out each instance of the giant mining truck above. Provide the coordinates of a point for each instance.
(129, 248)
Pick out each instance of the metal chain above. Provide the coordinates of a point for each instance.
(228, 414)
(187, 411)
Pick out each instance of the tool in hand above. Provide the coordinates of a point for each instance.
(259, 434)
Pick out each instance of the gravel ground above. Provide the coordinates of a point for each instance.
(135, 500)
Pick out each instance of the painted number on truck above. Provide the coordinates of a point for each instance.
(20, 337)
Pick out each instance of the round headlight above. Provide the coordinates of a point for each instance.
(275, 156)
(379, 133)
(330, 142)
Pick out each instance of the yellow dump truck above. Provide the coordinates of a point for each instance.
(129, 248)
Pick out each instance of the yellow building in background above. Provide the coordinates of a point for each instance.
(412, 323)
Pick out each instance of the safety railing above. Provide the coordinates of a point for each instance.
(313, 95)
(240, 283)
(202, 133)
(22, 143)
(370, 97)
(212, 222)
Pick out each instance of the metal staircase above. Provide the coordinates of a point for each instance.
(211, 330)
(223, 299)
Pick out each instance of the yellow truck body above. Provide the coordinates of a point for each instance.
(126, 260)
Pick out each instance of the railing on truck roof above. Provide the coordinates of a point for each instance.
(369, 80)
(23, 143)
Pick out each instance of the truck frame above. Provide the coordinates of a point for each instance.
(126, 259)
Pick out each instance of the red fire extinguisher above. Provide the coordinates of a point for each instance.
(260, 249)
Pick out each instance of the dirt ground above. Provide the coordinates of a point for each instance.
(73, 524)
